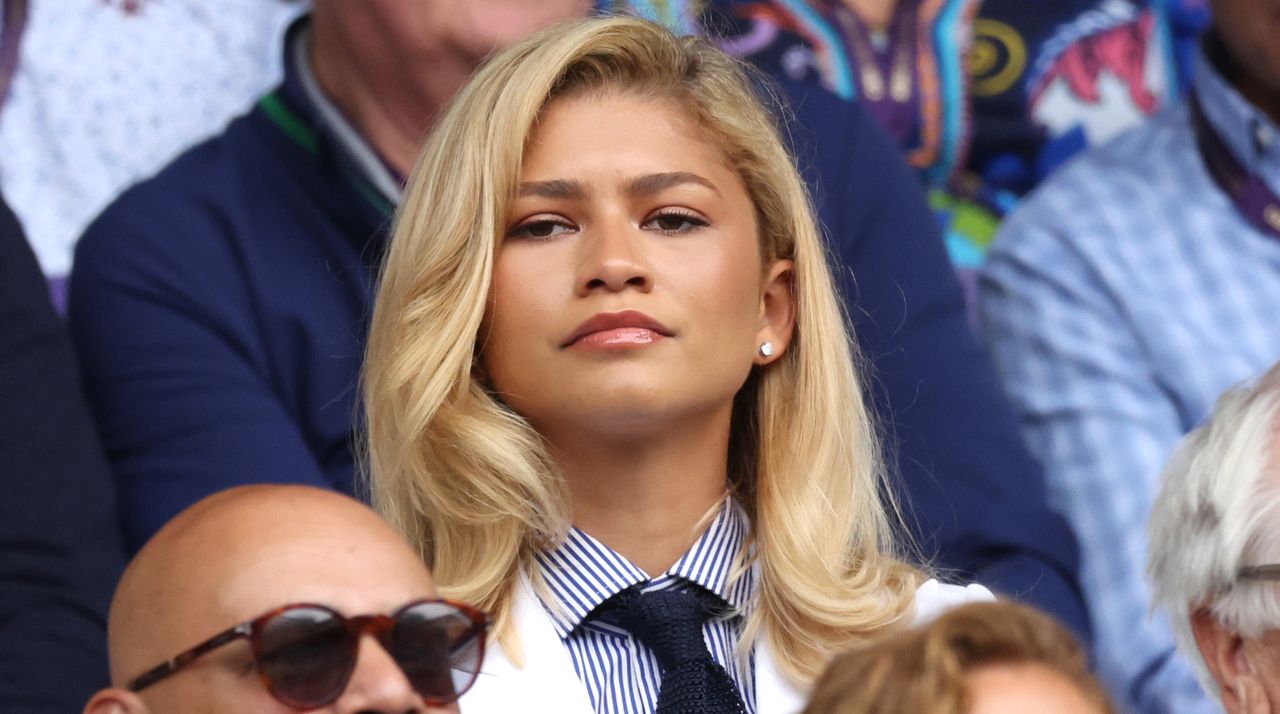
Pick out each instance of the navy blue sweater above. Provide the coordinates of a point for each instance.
(220, 310)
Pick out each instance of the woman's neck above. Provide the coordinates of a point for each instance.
(646, 496)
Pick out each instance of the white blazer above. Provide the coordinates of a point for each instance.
(548, 683)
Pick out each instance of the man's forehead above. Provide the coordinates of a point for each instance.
(244, 523)
(364, 570)
(280, 541)
(235, 556)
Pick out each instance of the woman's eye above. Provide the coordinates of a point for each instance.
(540, 229)
(675, 222)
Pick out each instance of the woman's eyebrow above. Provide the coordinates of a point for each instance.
(555, 188)
(640, 186)
(650, 184)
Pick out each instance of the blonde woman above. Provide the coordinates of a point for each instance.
(611, 396)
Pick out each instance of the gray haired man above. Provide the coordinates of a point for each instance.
(1214, 560)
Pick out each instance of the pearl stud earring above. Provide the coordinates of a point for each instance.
(766, 349)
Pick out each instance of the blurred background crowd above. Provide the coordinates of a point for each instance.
(1054, 221)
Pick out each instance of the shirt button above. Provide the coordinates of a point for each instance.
(1265, 137)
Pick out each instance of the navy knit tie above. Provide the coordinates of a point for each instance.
(669, 622)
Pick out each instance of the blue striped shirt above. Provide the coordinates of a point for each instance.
(1120, 300)
(620, 674)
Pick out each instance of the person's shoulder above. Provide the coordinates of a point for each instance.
(1134, 152)
(1142, 161)
(1100, 196)
(815, 122)
(935, 597)
(189, 203)
(853, 167)
(204, 171)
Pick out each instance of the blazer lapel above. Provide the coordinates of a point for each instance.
(775, 694)
(546, 682)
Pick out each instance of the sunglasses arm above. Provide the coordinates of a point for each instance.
(158, 673)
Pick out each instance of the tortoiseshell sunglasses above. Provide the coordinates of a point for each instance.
(306, 653)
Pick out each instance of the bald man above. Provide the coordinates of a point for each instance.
(244, 552)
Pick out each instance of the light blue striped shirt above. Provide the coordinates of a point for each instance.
(621, 675)
(1119, 301)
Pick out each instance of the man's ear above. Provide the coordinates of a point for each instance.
(1224, 653)
(777, 310)
(115, 701)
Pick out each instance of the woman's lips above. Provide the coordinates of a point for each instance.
(617, 338)
(616, 330)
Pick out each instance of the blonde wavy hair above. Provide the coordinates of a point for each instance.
(471, 484)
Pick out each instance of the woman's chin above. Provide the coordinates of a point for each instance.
(633, 414)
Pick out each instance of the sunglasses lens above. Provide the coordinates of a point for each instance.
(439, 647)
(306, 657)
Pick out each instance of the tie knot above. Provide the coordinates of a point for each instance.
(668, 622)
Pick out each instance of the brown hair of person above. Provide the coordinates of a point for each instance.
(926, 669)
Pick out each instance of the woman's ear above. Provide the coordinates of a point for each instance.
(115, 701)
(777, 312)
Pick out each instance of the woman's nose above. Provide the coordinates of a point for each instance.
(615, 258)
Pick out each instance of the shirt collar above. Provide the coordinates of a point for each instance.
(301, 109)
(358, 152)
(1251, 135)
(581, 573)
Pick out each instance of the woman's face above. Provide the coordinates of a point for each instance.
(628, 293)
